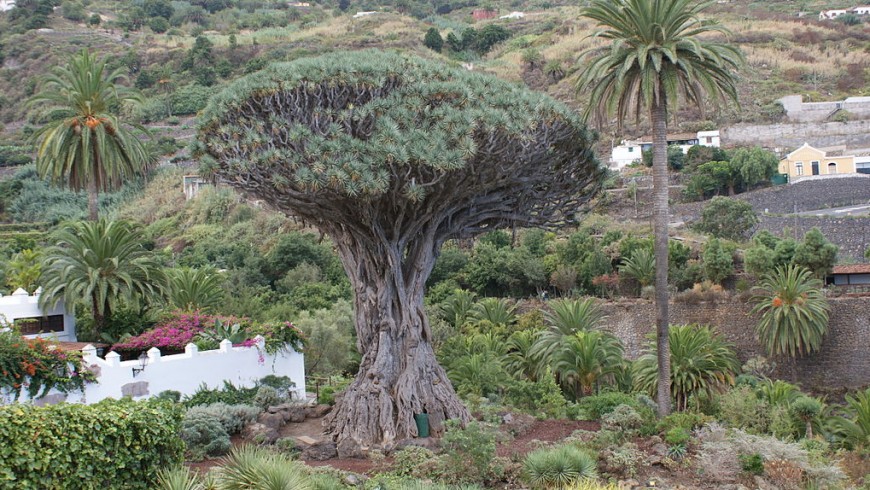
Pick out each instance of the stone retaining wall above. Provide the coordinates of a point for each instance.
(843, 362)
(852, 134)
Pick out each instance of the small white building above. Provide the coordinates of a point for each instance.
(630, 151)
(6, 5)
(861, 10)
(832, 14)
(364, 14)
(513, 15)
(22, 309)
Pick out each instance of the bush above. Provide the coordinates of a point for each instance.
(558, 468)
(623, 418)
(267, 397)
(682, 420)
(724, 217)
(751, 463)
(204, 435)
(597, 406)
(468, 453)
(88, 446)
(233, 418)
(229, 394)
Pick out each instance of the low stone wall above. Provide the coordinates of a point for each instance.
(852, 134)
(843, 362)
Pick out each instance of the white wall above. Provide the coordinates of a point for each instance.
(22, 305)
(243, 366)
(630, 151)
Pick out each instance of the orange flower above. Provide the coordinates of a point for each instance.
(777, 302)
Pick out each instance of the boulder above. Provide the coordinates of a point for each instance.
(320, 451)
(317, 411)
(273, 421)
(348, 448)
(260, 434)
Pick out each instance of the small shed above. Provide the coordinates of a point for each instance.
(22, 310)
(850, 275)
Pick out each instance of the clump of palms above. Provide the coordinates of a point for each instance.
(702, 362)
(494, 313)
(100, 263)
(641, 267)
(88, 149)
(194, 289)
(794, 312)
(658, 55)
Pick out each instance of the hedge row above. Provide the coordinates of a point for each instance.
(111, 444)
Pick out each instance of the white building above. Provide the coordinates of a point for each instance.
(513, 15)
(6, 5)
(23, 310)
(832, 14)
(861, 10)
(630, 151)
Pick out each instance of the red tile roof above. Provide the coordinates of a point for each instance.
(852, 269)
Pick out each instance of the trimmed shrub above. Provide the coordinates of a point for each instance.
(623, 419)
(558, 468)
(88, 446)
(204, 435)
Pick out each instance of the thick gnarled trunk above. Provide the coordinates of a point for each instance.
(658, 116)
(399, 375)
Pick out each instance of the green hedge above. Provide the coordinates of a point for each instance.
(111, 444)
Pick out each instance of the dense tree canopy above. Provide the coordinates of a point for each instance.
(392, 155)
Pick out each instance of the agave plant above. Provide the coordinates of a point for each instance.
(702, 362)
(235, 333)
(254, 468)
(794, 312)
(558, 468)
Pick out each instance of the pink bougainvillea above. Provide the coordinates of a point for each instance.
(171, 334)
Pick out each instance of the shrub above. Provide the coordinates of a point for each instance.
(623, 460)
(623, 419)
(233, 418)
(36, 367)
(682, 420)
(741, 407)
(204, 435)
(468, 452)
(229, 394)
(596, 406)
(558, 468)
(678, 436)
(751, 463)
(88, 446)
(413, 461)
(727, 218)
(266, 397)
(253, 467)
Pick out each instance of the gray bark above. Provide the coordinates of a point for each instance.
(660, 247)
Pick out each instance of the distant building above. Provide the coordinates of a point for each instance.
(850, 275)
(630, 151)
(192, 184)
(6, 5)
(513, 15)
(807, 161)
(363, 14)
(483, 14)
(832, 14)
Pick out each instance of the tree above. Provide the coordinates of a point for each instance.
(655, 58)
(159, 25)
(433, 40)
(101, 263)
(794, 312)
(641, 266)
(587, 358)
(816, 253)
(194, 289)
(23, 269)
(724, 217)
(392, 155)
(343, 5)
(90, 149)
(755, 165)
(718, 261)
(702, 363)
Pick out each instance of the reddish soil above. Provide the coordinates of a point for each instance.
(542, 431)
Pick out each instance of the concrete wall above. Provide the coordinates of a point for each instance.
(243, 366)
(842, 362)
(851, 134)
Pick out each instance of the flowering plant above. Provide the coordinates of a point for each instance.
(280, 336)
(37, 365)
(174, 333)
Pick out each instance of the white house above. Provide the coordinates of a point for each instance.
(6, 5)
(513, 15)
(832, 14)
(630, 151)
(861, 10)
(23, 309)
(364, 14)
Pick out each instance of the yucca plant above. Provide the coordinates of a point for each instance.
(254, 468)
(794, 312)
(702, 362)
(558, 468)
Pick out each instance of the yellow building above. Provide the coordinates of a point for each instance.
(806, 161)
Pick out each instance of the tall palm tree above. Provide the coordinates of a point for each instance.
(88, 148)
(194, 289)
(656, 59)
(794, 312)
(100, 262)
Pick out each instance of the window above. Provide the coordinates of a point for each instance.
(832, 168)
(799, 168)
(31, 326)
(709, 140)
(631, 149)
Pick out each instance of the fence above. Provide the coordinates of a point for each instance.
(185, 373)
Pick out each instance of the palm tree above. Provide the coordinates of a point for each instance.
(794, 312)
(853, 430)
(89, 148)
(100, 262)
(641, 266)
(22, 270)
(194, 289)
(567, 318)
(494, 313)
(655, 59)
(586, 358)
(702, 362)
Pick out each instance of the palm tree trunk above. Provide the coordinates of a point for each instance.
(93, 195)
(658, 117)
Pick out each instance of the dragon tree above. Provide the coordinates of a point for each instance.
(391, 155)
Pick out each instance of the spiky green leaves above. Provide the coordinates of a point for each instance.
(794, 312)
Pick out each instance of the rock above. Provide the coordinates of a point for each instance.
(353, 480)
(273, 421)
(763, 484)
(348, 448)
(317, 411)
(627, 484)
(320, 451)
(260, 434)
(294, 413)
(507, 418)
